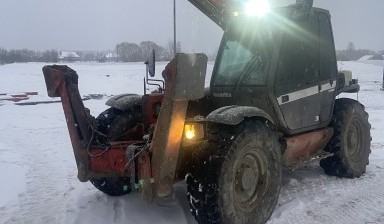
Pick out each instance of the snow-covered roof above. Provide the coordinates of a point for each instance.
(111, 55)
(369, 57)
(68, 54)
(365, 58)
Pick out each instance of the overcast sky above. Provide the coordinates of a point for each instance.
(101, 24)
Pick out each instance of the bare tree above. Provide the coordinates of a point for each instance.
(170, 46)
(147, 46)
(351, 46)
(128, 52)
(49, 56)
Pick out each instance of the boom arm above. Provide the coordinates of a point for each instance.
(220, 11)
(214, 9)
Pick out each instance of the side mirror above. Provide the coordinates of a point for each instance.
(302, 9)
(151, 62)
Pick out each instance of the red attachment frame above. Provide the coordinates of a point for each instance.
(92, 161)
(110, 161)
(184, 80)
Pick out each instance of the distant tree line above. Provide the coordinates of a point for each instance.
(132, 52)
(353, 54)
(25, 55)
(123, 52)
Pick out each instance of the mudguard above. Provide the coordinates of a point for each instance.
(234, 114)
(124, 101)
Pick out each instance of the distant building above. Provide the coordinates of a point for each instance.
(69, 56)
(111, 56)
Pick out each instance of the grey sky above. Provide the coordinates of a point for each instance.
(101, 24)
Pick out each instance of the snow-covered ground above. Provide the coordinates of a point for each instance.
(38, 172)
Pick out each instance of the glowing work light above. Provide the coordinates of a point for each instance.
(257, 8)
(189, 132)
(194, 131)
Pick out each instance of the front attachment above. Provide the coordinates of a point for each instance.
(184, 80)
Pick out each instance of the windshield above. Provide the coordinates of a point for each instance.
(238, 62)
(245, 52)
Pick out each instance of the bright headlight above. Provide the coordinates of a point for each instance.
(194, 131)
(257, 8)
(190, 132)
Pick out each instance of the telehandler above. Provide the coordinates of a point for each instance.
(272, 103)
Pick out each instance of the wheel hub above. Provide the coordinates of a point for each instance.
(250, 177)
(353, 139)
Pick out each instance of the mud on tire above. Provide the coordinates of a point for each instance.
(238, 180)
(351, 140)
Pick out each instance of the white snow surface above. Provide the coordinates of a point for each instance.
(38, 170)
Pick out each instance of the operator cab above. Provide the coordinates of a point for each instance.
(280, 63)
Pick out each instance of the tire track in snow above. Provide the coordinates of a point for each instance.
(318, 198)
(44, 200)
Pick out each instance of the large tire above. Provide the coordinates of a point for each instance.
(113, 123)
(239, 180)
(112, 186)
(351, 140)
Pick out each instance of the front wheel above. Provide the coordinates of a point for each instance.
(240, 181)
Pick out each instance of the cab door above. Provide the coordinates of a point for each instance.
(328, 68)
(297, 80)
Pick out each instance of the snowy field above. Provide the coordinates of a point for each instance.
(38, 172)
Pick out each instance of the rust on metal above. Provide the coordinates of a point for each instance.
(304, 146)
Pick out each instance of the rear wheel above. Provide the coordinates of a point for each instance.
(240, 180)
(113, 123)
(351, 141)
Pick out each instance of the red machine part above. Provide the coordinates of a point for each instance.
(184, 80)
(93, 161)
(61, 82)
(304, 146)
(151, 104)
